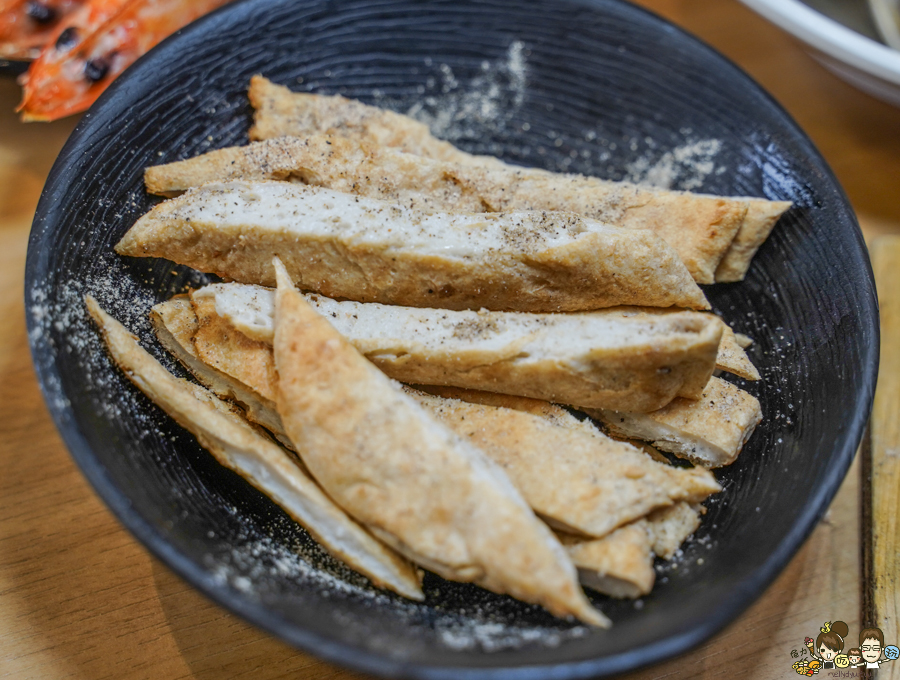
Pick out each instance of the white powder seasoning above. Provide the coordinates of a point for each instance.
(477, 109)
(253, 563)
(494, 636)
(684, 167)
(61, 313)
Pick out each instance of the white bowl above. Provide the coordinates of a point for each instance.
(864, 63)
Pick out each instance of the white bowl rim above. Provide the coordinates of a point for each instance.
(831, 37)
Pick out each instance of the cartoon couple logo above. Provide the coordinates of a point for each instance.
(827, 650)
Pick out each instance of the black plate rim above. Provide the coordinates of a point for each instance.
(13, 68)
(743, 594)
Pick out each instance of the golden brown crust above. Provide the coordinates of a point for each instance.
(755, 229)
(710, 431)
(379, 251)
(698, 227)
(621, 358)
(278, 112)
(176, 316)
(175, 324)
(236, 445)
(669, 527)
(434, 497)
(536, 407)
(578, 482)
(619, 565)
(219, 345)
(697, 483)
(732, 357)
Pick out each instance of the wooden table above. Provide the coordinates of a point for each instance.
(80, 598)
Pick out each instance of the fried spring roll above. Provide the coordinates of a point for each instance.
(427, 492)
(597, 485)
(710, 431)
(250, 309)
(627, 358)
(619, 565)
(280, 112)
(699, 228)
(236, 445)
(380, 251)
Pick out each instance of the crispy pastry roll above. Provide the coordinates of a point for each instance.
(237, 445)
(409, 479)
(250, 309)
(596, 485)
(625, 358)
(710, 431)
(380, 153)
(280, 112)
(618, 565)
(372, 250)
(621, 564)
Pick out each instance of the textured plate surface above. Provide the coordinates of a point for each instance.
(595, 87)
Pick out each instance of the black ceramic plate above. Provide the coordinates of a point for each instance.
(596, 87)
(13, 67)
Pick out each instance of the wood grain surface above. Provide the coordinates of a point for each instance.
(80, 598)
(882, 466)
